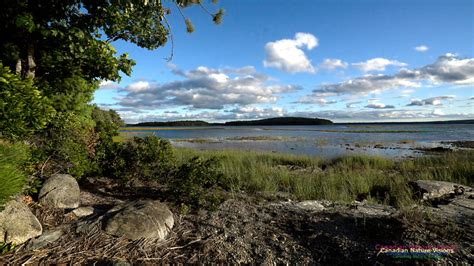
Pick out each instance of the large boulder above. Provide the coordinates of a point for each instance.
(60, 191)
(140, 219)
(18, 224)
(433, 190)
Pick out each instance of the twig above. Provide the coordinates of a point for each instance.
(44, 164)
(190, 243)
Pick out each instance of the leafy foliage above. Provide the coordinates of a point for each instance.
(23, 108)
(196, 182)
(67, 144)
(141, 158)
(12, 175)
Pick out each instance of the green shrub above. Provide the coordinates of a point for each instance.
(67, 144)
(141, 158)
(12, 175)
(107, 125)
(23, 108)
(197, 183)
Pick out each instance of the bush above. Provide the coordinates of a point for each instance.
(23, 108)
(107, 125)
(69, 143)
(141, 158)
(12, 176)
(197, 183)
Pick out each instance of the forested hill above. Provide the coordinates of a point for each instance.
(277, 121)
(281, 121)
(186, 123)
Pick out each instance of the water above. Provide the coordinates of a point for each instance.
(325, 141)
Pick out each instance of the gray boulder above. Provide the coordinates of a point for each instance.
(431, 189)
(140, 219)
(18, 224)
(45, 239)
(60, 191)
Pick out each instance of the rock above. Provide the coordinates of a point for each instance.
(18, 224)
(60, 191)
(83, 211)
(432, 190)
(140, 219)
(366, 209)
(45, 239)
(310, 205)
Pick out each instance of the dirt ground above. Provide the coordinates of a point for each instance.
(252, 229)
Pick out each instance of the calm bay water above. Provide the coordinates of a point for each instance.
(325, 141)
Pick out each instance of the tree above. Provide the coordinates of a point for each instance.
(58, 38)
(64, 48)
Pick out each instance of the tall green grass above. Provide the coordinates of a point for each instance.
(12, 176)
(343, 179)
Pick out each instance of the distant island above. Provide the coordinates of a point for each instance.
(283, 121)
(276, 121)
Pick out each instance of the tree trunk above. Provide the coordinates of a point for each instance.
(18, 67)
(30, 72)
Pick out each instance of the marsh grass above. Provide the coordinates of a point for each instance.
(345, 179)
(12, 174)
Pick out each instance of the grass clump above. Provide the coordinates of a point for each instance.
(12, 176)
(345, 179)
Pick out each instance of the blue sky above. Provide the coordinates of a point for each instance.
(351, 60)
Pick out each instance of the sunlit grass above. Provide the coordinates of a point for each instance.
(344, 179)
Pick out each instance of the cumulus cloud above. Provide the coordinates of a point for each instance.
(311, 99)
(383, 115)
(379, 106)
(446, 69)
(377, 64)
(366, 84)
(352, 104)
(288, 55)
(205, 88)
(406, 93)
(332, 64)
(431, 101)
(108, 84)
(138, 86)
(422, 48)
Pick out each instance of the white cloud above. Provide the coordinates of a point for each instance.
(436, 101)
(331, 64)
(422, 48)
(379, 106)
(311, 99)
(108, 84)
(138, 86)
(446, 69)
(366, 85)
(352, 104)
(406, 93)
(205, 88)
(287, 54)
(377, 64)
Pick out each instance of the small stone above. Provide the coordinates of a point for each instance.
(18, 224)
(60, 191)
(83, 211)
(310, 205)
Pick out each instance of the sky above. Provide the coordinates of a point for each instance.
(343, 60)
